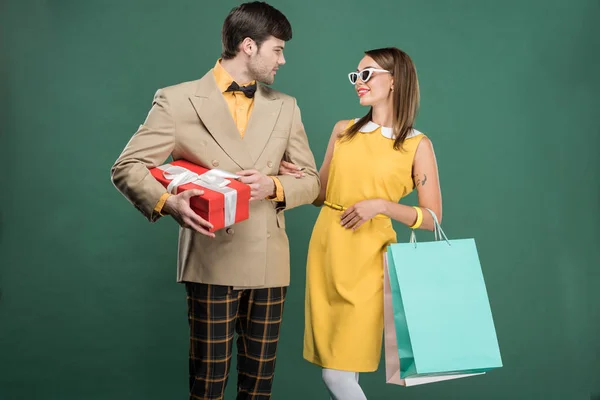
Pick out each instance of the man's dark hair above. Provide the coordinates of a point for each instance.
(256, 20)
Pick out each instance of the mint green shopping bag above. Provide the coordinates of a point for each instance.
(442, 316)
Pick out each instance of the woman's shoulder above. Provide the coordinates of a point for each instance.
(343, 124)
(340, 127)
(414, 133)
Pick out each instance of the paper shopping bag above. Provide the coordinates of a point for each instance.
(392, 359)
(436, 304)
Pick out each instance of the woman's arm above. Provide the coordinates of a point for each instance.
(287, 168)
(426, 180)
(425, 177)
(324, 171)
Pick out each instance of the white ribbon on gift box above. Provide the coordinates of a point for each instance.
(212, 179)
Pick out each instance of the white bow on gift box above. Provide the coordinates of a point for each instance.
(214, 179)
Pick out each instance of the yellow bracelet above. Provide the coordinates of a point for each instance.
(419, 218)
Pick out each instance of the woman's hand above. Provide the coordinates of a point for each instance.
(362, 212)
(287, 168)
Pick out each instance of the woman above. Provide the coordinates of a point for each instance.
(370, 164)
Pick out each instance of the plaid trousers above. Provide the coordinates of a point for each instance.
(215, 314)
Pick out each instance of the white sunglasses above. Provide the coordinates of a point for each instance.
(364, 75)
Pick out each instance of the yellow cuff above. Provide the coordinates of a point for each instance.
(419, 218)
(161, 203)
(279, 195)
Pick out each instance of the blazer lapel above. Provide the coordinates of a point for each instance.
(267, 107)
(216, 117)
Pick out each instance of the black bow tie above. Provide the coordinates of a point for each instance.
(247, 90)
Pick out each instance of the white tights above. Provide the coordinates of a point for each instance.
(343, 385)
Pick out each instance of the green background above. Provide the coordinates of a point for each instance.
(90, 308)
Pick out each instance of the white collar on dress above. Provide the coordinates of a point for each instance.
(385, 131)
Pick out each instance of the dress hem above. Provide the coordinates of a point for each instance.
(337, 367)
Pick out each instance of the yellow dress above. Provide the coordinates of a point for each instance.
(344, 277)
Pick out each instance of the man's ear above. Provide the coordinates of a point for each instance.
(248, 46)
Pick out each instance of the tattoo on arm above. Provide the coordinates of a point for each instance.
(419, 181)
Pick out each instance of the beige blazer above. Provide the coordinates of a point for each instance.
(191, 121)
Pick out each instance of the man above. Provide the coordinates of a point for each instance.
(235, 278)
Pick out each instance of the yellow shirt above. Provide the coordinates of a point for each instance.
(239, 105)
(241, 108)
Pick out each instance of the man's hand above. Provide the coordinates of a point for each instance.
(261, 186)
(178, 207)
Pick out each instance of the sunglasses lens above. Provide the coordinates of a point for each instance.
(353, 77)
(365, 75)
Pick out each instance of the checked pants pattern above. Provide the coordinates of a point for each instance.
(215, 314)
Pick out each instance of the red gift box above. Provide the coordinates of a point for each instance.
(225, 201)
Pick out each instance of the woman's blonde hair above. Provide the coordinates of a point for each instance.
(405, 96)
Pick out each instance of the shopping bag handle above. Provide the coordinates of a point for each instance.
(437, 231)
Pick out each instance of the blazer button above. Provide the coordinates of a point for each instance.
(268, 235)
(230, 231)
(270, 164)
(215, 163)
